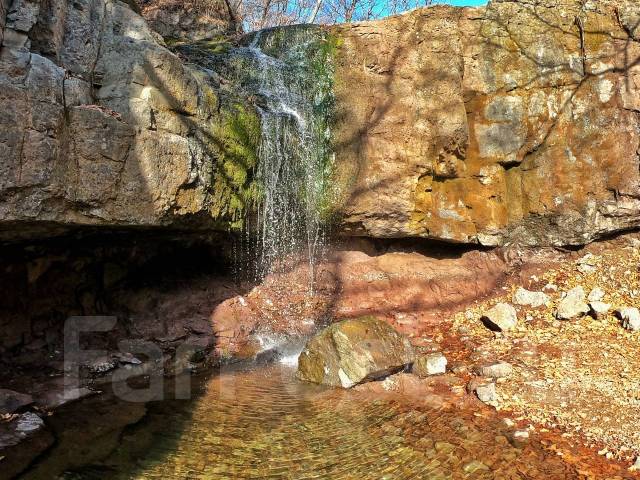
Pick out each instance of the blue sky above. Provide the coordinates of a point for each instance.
(465, 3)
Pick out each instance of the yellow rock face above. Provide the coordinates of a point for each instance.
(518, 121)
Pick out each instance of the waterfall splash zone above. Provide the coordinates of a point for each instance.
(287, 74)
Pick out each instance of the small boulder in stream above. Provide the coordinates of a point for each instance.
(354, 351)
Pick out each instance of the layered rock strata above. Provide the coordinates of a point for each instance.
(102, 125)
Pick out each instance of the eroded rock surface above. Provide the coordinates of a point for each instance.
(397, 286)
(512, 122)
(354, 351)
(101, 124)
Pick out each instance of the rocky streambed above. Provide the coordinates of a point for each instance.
(263, 423)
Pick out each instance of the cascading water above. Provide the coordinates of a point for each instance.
(286, 73)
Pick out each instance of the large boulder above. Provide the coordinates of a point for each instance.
(354, 351)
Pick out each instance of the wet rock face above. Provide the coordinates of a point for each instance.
(511, 122)
(22, 439)
(131, 275)
(354, 351)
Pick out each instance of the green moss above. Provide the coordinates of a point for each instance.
(309, 53)
(236, 136)
(217, 46)
(322, 68)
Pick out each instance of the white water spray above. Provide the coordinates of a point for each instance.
(277, 69)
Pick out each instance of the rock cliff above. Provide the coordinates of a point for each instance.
(102, 125)
(189, 20)
(515, 122)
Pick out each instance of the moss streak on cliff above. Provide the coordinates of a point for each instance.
(323, 69)
(237, 135)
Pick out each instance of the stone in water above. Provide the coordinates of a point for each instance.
(354, 351)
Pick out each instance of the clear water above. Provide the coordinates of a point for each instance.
(264, 424)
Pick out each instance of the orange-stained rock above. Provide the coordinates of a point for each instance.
(397, 287)
(515, 122)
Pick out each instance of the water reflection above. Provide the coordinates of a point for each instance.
(262, 423)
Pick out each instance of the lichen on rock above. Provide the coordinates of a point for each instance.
(490, 125)
(354, 351)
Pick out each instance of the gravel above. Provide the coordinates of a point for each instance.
(579, 377)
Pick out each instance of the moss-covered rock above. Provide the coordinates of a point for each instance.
(354, 351)
(236, 135)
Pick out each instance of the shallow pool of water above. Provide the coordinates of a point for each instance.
(264, 424)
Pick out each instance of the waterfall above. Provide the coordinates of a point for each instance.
(286, 72)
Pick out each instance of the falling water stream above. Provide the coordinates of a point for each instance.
(287, 74)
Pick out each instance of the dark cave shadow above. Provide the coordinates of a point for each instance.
(105, 436)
